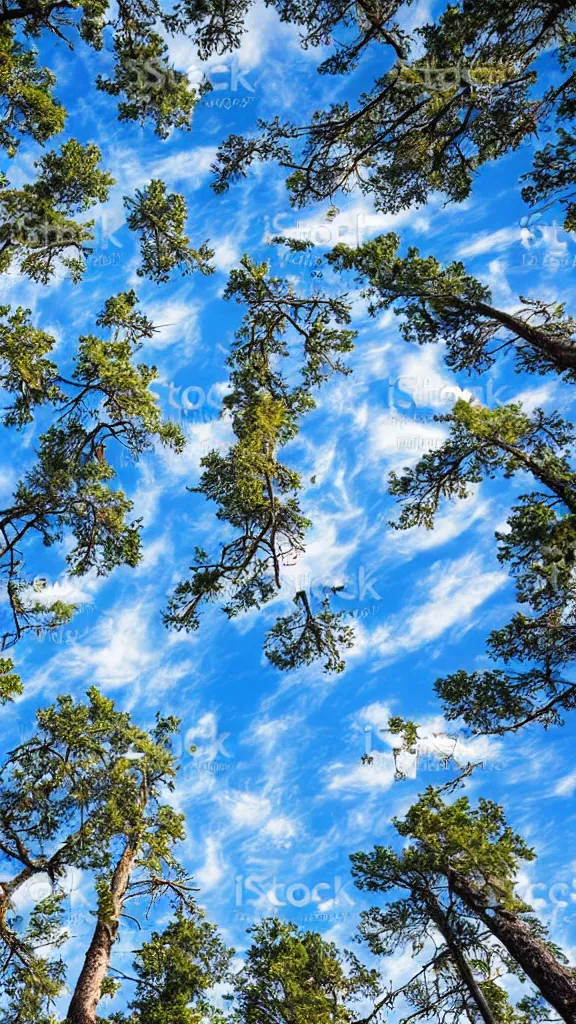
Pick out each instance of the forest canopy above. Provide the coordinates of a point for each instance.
(287, 332)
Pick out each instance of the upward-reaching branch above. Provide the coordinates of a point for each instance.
(104, 403)
(256, 494)
(86, 786)
(446, 304)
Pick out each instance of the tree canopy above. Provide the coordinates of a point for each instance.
(91, 790)
(256, 494)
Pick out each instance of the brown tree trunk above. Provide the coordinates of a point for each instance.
(555, 980)
(443, 925)
(440, 919)
(563, 355)
(564, 491)
(84, 1003)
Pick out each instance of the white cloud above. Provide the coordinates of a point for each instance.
(566, 785)
(490, 241)
(353, 224)
(214, 868)
(201, 439)
(358, 777)
(437, 742)
(450, 595)
(146, 499)
(281, 831)
(269, 733)
(227, 252)
(191, 167)
(322, 564)
(262, 29)
(156, 552)
(122, 653)
(8, 479)
(176, 320)
(207, 738)
(77, 590)
(538, 397)
(245, 810)
(400, 441)
(450, 524)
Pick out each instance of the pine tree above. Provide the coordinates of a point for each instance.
(475, 855)
(460, 978)
(294, 977)
(255, 493)
(428, 121)
(104, 406)
(538, 546)
(86, 791)
(446, 304)
(175, 970)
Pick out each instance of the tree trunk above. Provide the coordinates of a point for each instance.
(84, 1004)
(564, 491)
(563, 355)
(556, 981)
(441, 921)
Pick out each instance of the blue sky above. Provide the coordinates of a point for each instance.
(277, 797)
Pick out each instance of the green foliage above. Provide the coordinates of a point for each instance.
(426, 124)
(31, 981)
(553, 174)
(458, 965)
(407, 730)
(302, 637)
(175, 970)
(27, 104)
(77, 785)
(478, 840)
(255, 493)
(293, 977)
(483, 442)
(160, 219)
(105, 402)
(538, 546)
(37, 229)
(10, 682)
(445, 304)
(145, 80)
(153, 89)
(88, 784)
(24, 370)
(456, 874)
